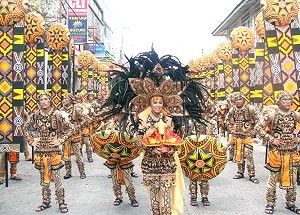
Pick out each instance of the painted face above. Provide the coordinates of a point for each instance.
(239, 102)
(44, 102)
(90, 97)
(66, 101)
(78, 98)
(285, 104)
(156, 104)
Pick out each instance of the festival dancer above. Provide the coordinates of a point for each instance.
(282, 153)
(230, 101)
(86, 132)
(73, 144)
(210, 115)
(121, 171)
(50, 126)
(13, 159)
(242, 118)
(210, 129)
(154, 98)
(222, 110)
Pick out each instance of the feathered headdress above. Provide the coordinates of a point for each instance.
(148, 76)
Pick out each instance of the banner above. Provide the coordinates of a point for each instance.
(97, 49)
(77, 20)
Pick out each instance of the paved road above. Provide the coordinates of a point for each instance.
(94, 195)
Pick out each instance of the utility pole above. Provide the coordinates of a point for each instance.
(121, 49)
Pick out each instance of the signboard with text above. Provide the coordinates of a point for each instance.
(97, 49)
(77, 20)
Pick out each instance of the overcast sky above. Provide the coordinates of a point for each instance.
(178, 27)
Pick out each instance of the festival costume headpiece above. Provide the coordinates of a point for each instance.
(70, 97)
(79, 96)
(146, 89)
(149, 76)
(238, 96)
(43, 94)
(90, 94)
(283, 95)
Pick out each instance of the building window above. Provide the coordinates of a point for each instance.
(257, 7)
(245, 18)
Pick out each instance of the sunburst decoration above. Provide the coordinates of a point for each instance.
(199, 65)
(242, 38)
(206, 61)
(114, 146)
(58, 36)
(214, 59)
(103, 69)
(259, 26)
(34, 27)
(192, 65)
(281, 12)
(224, 51)
(202, 159)
(85, 59)
(95, 63)
(11, 12)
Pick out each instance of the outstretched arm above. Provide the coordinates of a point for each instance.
(265, 121)
(229, 120)
(65, 127)
(28, 128)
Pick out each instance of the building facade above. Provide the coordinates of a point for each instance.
(97, 30)
(244, 14)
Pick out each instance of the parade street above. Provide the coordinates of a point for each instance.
(94, 195)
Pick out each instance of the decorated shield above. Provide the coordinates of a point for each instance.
(202, 157)
(115, 146)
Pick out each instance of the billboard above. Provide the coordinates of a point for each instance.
(97, 49)
(77, 20)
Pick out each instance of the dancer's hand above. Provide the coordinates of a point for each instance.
(251, 133)
(276, 142)
(150, 131)
(55, 142)
(35, 142)
(171, 151)
(157, 151)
